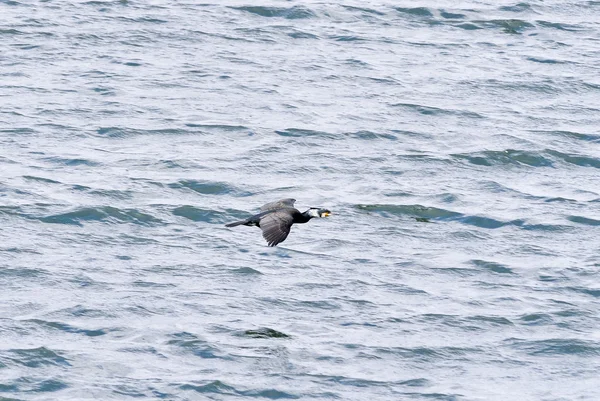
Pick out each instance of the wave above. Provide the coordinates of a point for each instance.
(410, 210)
(536, 319)
(570, 135)
(68, 328)
(263, 332)
(429, 354)
(542, 158)
(219, 127)
(461, 19)
(296, 12)
(72, 162)
(36, 357)
(504, 157)
(579, 160)
(426, 214)
(492, 266)
(363, 10)
(557, 346)
(190, 343)
(41, 179)
(198, 214)
(208, 187)
(218, 387)
(22, 272)
(436, 111)
(517, 8)
(455, 16)
(297, 34)
(31, 385)
(370, 135)
(559, 25)
(466, 323)
(584, 220)
(415, 11)
(363, 134)
(297, 132)
(19, 131)
(123, 132)
(103, 214)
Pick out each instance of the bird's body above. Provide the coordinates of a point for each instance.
(276, 218)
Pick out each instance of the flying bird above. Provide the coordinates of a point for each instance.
(276, 218)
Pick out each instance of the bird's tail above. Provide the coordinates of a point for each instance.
(236, 223)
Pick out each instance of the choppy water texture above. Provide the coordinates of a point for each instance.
(456, 143)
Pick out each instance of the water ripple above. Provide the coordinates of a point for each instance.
(456, 144)
(33, 357)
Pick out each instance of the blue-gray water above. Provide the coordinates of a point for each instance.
(456, 143)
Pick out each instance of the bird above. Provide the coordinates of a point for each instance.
(276, 218)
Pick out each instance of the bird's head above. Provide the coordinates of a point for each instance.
(318, 212)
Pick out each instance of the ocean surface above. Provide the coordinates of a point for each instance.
(457, 144)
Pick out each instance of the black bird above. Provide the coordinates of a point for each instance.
(276, 218)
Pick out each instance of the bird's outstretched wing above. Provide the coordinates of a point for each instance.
(280, 204)
(276, 226)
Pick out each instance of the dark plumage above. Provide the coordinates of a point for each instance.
(276, 218)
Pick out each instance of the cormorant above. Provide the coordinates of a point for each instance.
(276, 218)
